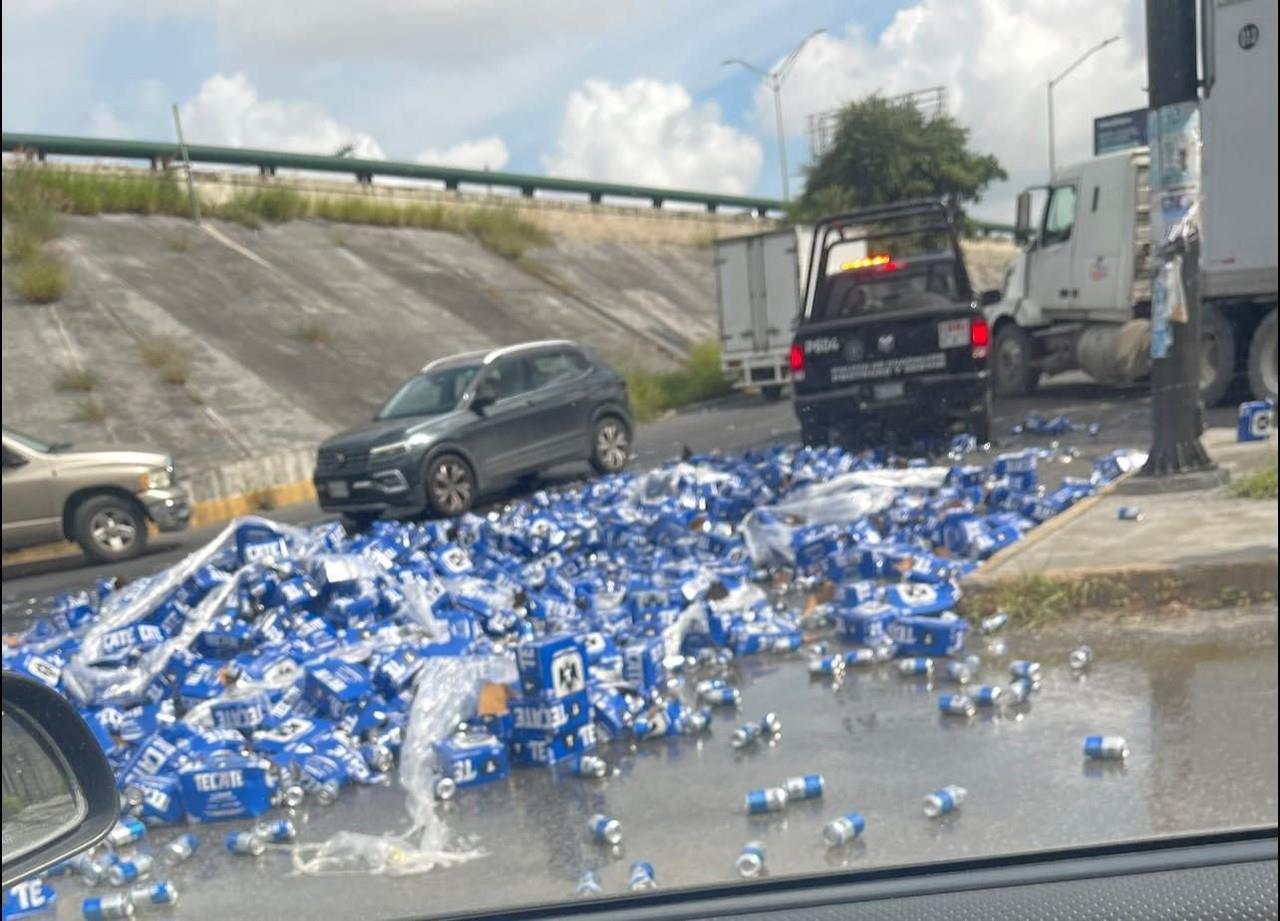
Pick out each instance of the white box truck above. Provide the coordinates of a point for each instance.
(758, 282)
(1078, 295)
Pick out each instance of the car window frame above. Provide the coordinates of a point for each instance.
(519, 360)
(584, 366)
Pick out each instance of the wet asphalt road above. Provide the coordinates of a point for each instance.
(734, 424)
(1195, 695)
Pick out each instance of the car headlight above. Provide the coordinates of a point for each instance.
(396, 448)
(158, 479)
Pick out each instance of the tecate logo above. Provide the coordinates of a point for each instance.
(823, 345)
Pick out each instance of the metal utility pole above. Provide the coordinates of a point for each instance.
(1175, 376)
(186, 160)
(773, 79)
(1058, 79)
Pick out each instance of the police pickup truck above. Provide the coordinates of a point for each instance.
(891, 341)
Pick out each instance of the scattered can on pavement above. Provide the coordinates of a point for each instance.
(943, 801)
(245, 843)
(959, 672)
(180, 848)
(844, 829)
(914, 667)
(278, 831)
(808, 786)
(605, 829)
(100, 908)
(444, 788)
(1021, 668)
(989, 625)
(956, 705)
(986, 695)
(128, 871)
(155, 894)
(592, 766)
(1081, 658)
(750, 862)
(771, 799)
(589, 884)
(1105, 748)
(1129, 513)
(641, 877)
(125, 832)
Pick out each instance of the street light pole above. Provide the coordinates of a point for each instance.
(1058, 79)
(773, 79)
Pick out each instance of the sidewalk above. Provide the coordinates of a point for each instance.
(1198, 546)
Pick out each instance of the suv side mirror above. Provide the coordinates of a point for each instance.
(59, 793)
(1022, 223)
(987, 298)
(486, 395)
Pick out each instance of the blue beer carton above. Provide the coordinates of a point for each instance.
(921, 598)
(472, 758)
(28, 899)
(337, 687)
(865, 623)
(1257, 419)
(233, 787)
(552, 666)
(539, 717)
(257, 543)
(554, 749)
(642, 663)
(243, 713)
(929, 636)
(161, 800)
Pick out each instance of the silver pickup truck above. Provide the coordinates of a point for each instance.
(101, 499)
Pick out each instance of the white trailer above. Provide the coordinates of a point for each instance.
(758, 281)
(1079, 293)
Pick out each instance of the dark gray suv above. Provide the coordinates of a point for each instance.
(469, 423)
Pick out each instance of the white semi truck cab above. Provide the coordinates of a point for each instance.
(1078, 294)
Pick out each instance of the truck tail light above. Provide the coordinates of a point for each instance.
(979, 337)
(795, 361)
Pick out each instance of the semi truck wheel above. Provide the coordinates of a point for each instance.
(1217, 356)
(1262, 359)
(1011, 370)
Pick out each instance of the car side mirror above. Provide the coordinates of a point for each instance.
(486, 395)
(987, 298)
(59, 793)
(1022, 223)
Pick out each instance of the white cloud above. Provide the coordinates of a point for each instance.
(227, 110)
(650, 133)
(994, 57)
(483, 153)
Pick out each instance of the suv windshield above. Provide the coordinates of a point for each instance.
(430, 393)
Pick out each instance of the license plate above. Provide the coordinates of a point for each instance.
(953, 333)
(888, 391)
(338, 489)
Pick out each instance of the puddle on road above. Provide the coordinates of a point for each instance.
(1194, 696)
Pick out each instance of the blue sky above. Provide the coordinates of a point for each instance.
(623, 90)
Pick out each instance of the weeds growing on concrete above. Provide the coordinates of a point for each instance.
(91, 410)
(168, 358)
(503, 232)
(1258, 484)
(40, 279)
(79, 192)
(699, 378)
(179, 241)
(313, 332)
(262, 500)
(76, 380)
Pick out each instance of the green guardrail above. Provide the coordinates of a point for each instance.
(268, 161)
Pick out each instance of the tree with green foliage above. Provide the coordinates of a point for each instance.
(887, 151)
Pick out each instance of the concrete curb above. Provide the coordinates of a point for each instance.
(205, 512)
(1145, 586)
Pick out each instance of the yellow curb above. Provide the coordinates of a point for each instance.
(206, 512)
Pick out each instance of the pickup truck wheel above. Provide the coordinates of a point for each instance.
(1217, 356)
(1012, 373)
(1262, 359)
(110, 528)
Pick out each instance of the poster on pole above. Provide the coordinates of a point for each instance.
(1174, 134)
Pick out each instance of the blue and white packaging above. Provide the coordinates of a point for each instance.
(921, 598)
(538, 717)
(929, 636)
(243, 713)
(28, 899)
(866, 623)
(233, 788)
(161, 800)
(337, 687)
(472, 758)
(553, 666)
(554, 749)
(256, 543)
(1257, 420)
(642, 663)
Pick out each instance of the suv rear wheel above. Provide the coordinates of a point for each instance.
(110, 528)
(451, 486)
(610, 445)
